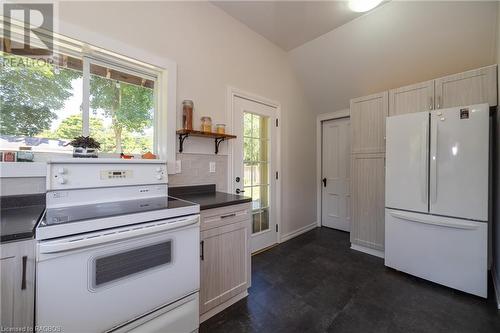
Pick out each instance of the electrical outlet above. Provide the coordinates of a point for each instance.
(178, 166)
(212, 166)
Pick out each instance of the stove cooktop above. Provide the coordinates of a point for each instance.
(57, 216)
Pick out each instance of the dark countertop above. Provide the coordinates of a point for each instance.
(206, 196)
(19, 216)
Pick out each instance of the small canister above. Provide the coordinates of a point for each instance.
(206, 124)
(187, 114)
(220, 128)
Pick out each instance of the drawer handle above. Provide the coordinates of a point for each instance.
(23, 281)
(228, 215)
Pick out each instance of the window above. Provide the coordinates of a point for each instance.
(256, 168)
(46, 102)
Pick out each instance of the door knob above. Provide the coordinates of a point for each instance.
(238, 191)
(324, 182)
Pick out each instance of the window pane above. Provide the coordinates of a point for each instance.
(256, 222)
(264, 219)
(256, 174)
(255, 150)
(256, 200)
(121, 111)
(264, 198)
(247, 149)
(247, 124)
(247, 178)
(256, 126)
(262, 173)
(40, 102)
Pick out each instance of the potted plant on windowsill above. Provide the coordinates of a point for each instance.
(85, 146)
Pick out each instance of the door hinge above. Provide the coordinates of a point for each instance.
(276, 122)
(276, 228)
(277, 176)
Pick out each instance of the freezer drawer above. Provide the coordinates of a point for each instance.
(447, 251)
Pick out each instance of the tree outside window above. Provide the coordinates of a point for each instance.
(41, 106)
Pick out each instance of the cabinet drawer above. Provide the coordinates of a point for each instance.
(217, 217)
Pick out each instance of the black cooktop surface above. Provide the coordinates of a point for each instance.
(109, 209)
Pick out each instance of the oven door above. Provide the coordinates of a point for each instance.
(97, 281)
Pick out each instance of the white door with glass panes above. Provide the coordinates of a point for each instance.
(254, 169)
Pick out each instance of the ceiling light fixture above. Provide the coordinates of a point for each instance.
(361, 6)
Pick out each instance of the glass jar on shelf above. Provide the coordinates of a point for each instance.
(206, 124)
(187, 114)
(220, 128)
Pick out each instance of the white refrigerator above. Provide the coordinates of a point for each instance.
(436, 217)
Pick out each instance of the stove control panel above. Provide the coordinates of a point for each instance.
(116, 174)
(96, 173)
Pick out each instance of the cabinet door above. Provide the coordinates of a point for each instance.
(225, 264)
(17, 275)
(414, 98)
(467, 88)
(368, 174)
(368, 123)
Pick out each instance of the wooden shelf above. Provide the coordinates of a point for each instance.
(184, 133)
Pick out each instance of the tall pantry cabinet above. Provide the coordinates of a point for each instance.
(368, 115)
(368, 169)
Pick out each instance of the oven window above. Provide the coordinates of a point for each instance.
(123, 264)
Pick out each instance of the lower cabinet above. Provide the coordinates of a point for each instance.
(17, 276)
(225, 258)
(368, 200)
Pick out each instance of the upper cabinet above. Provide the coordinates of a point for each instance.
(471, 87)
(414, 98)
(467, 88)
(368, 115)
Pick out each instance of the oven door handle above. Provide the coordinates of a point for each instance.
(120, 234)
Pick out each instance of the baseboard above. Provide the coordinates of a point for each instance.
(298, 232)
(368, 250)
(223, 306)
(496, 285)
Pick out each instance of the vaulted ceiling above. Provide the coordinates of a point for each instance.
(289, 24)
(394, 45)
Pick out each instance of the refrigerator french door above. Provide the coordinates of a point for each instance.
(437, 166)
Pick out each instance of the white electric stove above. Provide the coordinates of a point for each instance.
(114, 252)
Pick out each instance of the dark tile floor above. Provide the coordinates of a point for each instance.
(315, 283)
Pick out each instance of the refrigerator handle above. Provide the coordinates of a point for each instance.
(433, 164)
(442, 223)
(424, 162)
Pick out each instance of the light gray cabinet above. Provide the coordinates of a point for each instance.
(225, 257)
(413, 98)
(17, 276)
(368, 197)
(471, 87)
(467, 88)
(368, 115)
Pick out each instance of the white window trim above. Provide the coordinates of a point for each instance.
(167, 84)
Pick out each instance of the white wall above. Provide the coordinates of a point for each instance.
(212, 51)
(398, 43)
